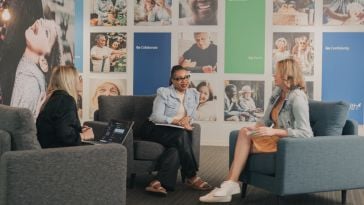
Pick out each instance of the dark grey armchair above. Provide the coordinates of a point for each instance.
(142, 155)
(330, 161)
(72, 175)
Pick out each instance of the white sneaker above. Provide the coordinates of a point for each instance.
(228, 188)
(210, 198)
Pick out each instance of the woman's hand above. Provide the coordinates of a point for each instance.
(263, 131)
(184, 122)
(87, 133)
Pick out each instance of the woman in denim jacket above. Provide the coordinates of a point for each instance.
(287, 115)
(174, 106)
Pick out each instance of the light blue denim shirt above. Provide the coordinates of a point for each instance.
(294, 114)
(166, 104)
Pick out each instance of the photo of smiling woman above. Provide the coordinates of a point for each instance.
(206, 110)
(42, 40)
(38, 39)
(194, 12)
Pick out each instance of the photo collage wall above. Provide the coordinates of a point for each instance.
(231, 61)
(230, 47)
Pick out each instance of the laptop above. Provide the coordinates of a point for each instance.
(116, 132)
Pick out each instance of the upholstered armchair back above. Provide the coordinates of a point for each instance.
(330, 119)
(133, 108)
(17, 125)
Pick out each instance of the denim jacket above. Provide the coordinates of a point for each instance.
(294, 114)
(166, 104)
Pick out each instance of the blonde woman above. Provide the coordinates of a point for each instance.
(287, 115)
(58, 124)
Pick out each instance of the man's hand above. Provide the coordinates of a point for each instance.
(208, 69)
(187, 63)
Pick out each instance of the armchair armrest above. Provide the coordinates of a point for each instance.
(98, 127)
(350, 128)
(320, 164)
(196, 139)
(73, 175)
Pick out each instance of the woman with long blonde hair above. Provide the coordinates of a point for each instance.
(58, 124)
(287, 115)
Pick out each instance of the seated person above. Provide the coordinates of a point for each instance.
(58, 124)
(287, 115)
(168, 108)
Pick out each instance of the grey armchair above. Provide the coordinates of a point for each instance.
(72, 175)
(142, 155)
(330, 161)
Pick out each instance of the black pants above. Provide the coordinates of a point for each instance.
(178, 144)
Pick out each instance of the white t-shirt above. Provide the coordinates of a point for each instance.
(101, 65)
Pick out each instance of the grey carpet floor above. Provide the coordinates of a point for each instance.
(213, 168)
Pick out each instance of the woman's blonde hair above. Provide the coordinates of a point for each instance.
(291, 73)
(64, 78)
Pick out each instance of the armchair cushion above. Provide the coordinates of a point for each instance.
(262, 163)
(20, 125)
(147, 150)
(328, 118)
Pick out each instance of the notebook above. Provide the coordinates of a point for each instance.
(116, 132)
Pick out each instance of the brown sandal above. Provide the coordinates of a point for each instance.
(155, 187)
(198, 184)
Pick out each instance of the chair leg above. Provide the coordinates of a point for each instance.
(243, 190)
(183, 177)
(343, 196)
(279, 199)
(131, 180)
